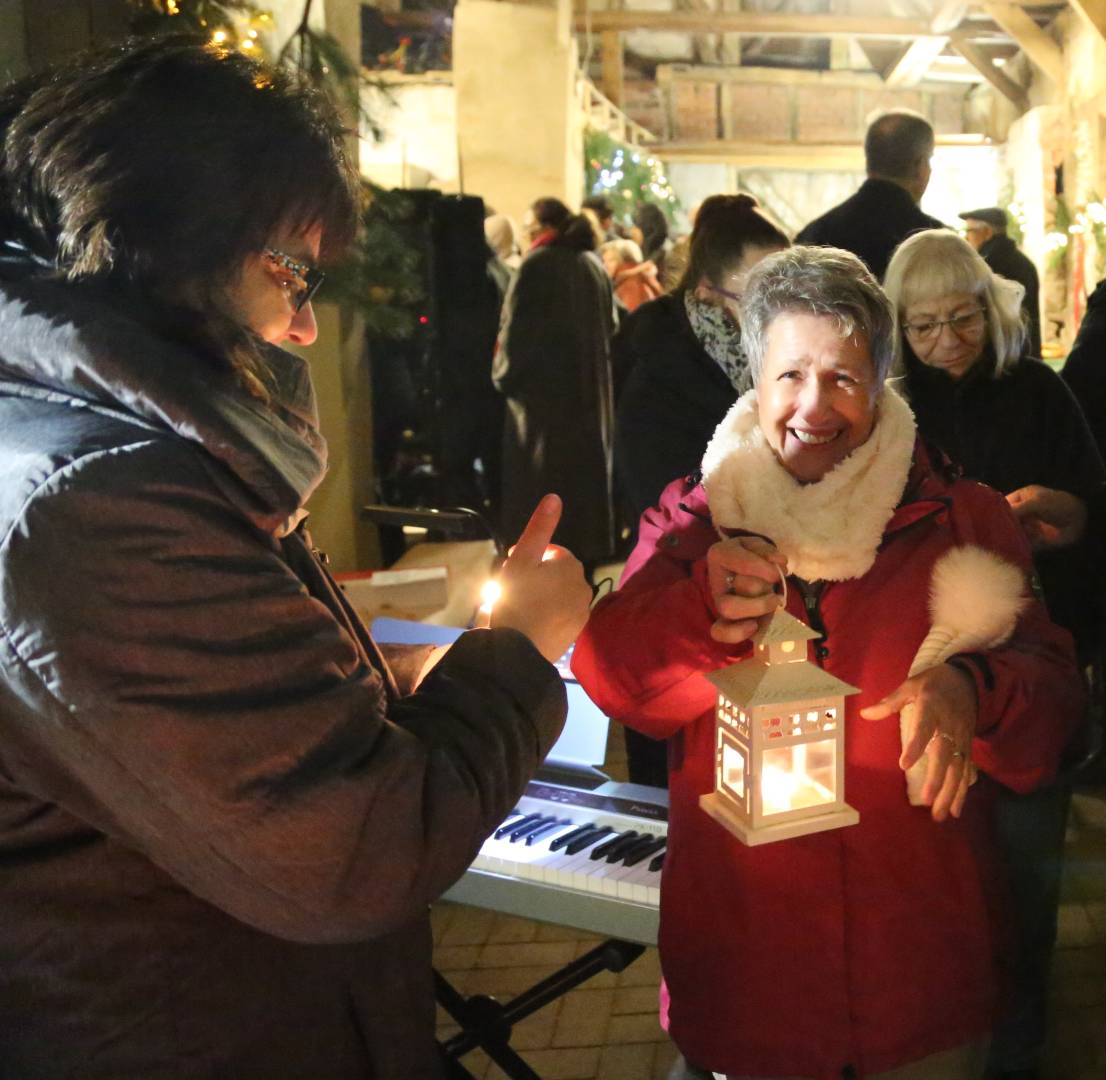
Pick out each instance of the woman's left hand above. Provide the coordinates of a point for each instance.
(945, 711)
(1049, 518)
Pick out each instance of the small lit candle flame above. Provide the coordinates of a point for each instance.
(777, 789)
(490, 592)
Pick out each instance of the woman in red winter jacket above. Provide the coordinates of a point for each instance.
(864, 950)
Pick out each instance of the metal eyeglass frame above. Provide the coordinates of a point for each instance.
(311, 276)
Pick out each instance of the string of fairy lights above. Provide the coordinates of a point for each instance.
(242, 30)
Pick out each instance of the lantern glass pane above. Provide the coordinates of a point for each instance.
(733, 771)
(797, 777)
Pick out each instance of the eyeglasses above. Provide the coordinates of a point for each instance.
(308, 278)
(724, 292)
(967, 325)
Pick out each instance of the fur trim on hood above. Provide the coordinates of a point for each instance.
(829, 530)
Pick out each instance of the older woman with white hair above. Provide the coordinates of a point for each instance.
(634, 277)
(1007, 420)
(860, 951)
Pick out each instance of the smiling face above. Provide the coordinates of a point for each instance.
(817, 393)
(264, 295)
(954, 346)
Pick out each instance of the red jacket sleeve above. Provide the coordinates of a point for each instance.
(645, 648)
(1031, 695)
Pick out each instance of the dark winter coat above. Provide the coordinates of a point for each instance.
(221, 819)
(1003, 257)
(1024, 427)
(672, 398)
(871, 223)
(864, 947)
(1085, 368)
(553, 366)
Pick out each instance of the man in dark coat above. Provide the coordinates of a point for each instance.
(985, 230)
(885, 211)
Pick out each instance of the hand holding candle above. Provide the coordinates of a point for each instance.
(544, 594)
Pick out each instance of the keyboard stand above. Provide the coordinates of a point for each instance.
(487, 1024)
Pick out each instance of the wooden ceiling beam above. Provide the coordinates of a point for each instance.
(1033, 41)
(1093, 13)
(613, 70)
(981, 62)
(757, 23)
(866, 80)
(914, 61)
(917, 58)
(840, 157)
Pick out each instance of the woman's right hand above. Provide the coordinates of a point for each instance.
(544, 593)
(743, 572)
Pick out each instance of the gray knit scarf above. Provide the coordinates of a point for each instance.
(721, 340)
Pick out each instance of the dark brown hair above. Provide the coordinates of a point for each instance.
(572, 230)
(161, 166)
(725, 226)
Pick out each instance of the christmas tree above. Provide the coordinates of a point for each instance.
(627, 176)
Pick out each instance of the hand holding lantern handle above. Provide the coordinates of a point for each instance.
(743, 572)
(544, 593)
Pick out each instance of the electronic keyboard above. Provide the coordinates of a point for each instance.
(585, 858)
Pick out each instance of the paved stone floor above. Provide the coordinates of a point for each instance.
(607, 1029)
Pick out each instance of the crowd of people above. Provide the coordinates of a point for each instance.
(224, 809)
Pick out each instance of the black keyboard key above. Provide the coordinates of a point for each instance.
(617, 842)
(526, 828)
(587, 840)
(560, 842)
(549, 826)
(620, 851)
(503, 830)
(657, 863)
(640, 852)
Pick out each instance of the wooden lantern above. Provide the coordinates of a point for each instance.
(780, 740)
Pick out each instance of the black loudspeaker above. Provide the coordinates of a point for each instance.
(437, 419)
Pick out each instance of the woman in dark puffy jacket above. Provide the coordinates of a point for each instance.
(678, 366)
(223, 811)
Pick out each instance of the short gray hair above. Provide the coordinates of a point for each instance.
(937, 262)
(821, 281)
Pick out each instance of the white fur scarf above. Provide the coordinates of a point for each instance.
(828, 530)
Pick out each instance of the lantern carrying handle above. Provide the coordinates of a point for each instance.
(779, 569)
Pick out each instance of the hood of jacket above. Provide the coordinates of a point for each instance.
(64, 342)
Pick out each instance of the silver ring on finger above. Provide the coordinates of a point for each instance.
(728, 581)
(956, 751)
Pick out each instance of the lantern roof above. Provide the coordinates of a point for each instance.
(751, 683)
(781, 626)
